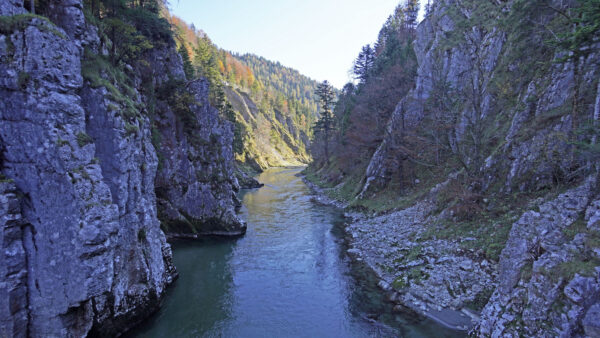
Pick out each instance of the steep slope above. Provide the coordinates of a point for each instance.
(83, 147)
(487, 168)
(270, 137)
(272, 106)
(285, 104)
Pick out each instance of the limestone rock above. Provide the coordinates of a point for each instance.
(591, 322)
(196, 185)
(83, 252)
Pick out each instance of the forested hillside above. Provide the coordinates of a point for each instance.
(385, 72)
(471, 141)
(272, 106)
(287, 81)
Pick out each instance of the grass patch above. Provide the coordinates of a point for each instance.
(413, 254)
(347, 188)
(412, 276)
(486, 231)
(19, 22)
(388, 200)
(84, 139)
(99, 72)
(400, 283)
(4, 179)
(131, 129)
(580, 264)
(577, 227)
(61, 143)
(480, 300)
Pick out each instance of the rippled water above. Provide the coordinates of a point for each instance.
(288, 277)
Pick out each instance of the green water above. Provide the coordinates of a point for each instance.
(288, 277)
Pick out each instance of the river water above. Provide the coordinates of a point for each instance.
(287, 277)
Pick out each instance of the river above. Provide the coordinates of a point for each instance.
(287, 277)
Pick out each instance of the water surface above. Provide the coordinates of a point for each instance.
(288, 277)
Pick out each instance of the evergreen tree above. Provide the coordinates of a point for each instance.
(325, 124)
(411, 12)
(188, 68)
(364, 63)
(586, 21)
(428, 7)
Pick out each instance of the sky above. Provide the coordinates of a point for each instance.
(319, 38)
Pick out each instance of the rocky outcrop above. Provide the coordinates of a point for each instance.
(549, 271)
(83, 251)
(12, 7)
(196, 185)
(526, 135)
(92, 256)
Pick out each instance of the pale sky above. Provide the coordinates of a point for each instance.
(319, 38)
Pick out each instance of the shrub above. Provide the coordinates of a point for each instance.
(10, 24)
(131, 129)
(84, 139)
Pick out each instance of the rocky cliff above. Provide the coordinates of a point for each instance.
(489, 167)
(82, 246)
(196, 186)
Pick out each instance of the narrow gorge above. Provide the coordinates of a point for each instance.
(450, 189)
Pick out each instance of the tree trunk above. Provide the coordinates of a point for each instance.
(32, 5)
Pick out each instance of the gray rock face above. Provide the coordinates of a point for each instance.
(591, 322)
(196, 185)
(454, 67)
(534, 152)
(13, 289)
(195, 182)
(68, 15)
(12, 7)
(537, 293)
(84, 252)
(82, 248)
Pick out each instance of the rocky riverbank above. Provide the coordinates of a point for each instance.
(442, 280)
(433, 278)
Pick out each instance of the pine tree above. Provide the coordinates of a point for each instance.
(428, 7)
(411, 12)
(364, 63)
(325, 124)
(188, 68)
